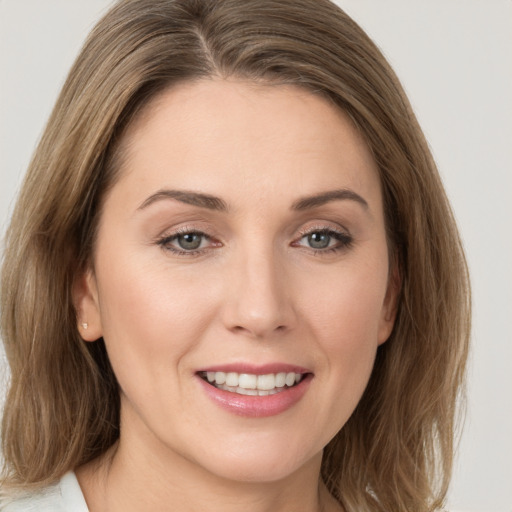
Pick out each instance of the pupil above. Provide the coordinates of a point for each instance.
(190, 241)
(319, 240)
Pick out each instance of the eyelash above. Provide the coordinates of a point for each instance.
(344, 241)
(165, 242)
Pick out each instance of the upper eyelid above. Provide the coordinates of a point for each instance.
(208, 232)
(177, 234)
(324, 227)
(320, 228)
(340, 234)
(183, 230)
(174, 232)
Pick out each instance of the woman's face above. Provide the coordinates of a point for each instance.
(240, 278)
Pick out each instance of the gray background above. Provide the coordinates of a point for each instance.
(454, 58)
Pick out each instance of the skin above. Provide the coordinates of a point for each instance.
(256, 291)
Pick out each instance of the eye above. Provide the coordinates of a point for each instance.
(325, 240)
(186, 242)
(319, 240)
(190, 241)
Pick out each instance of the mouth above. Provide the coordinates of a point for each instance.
(251, 384)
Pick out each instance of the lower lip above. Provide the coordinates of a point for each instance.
(257, 406)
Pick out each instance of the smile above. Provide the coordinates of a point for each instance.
(252, 384)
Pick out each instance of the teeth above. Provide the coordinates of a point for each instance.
(290, 379)
(231, 379)
(268, 382)
(248, 381)
(281, 379)
(250, 392)
(250, 384)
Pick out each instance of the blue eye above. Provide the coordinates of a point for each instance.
(188, 242)
(325, 240)
(319, 240)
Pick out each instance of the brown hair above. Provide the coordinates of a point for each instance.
(62, 409)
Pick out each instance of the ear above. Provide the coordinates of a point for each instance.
(390, 305)
(85, 300)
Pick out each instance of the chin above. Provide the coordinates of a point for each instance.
(259, 462)
(257, 471)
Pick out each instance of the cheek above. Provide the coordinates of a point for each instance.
(145, 310)
(344, 316)
(347, 305)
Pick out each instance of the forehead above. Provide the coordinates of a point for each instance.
(207, 134)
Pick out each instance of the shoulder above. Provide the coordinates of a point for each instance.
(64, 496)
(45, 500)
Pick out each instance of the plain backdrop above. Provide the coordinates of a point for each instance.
(454, 58)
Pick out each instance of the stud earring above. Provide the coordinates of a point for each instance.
(85, 325)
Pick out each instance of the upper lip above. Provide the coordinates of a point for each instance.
(253, 369)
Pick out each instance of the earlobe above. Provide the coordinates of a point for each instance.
(85, 300)
(390, 305)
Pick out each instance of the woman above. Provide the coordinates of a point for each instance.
(232, 277)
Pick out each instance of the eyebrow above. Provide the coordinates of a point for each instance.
(215, 203)
(322, 198)
(187, 197)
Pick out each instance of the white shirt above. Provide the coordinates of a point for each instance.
(64, 496)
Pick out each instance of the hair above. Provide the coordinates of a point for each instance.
(62, 408)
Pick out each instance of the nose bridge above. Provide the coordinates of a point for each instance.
(259, 303)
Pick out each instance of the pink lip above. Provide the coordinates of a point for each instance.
(256, 406)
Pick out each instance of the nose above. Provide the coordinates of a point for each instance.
(258, 301)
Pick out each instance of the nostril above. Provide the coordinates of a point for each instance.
(255, 331)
